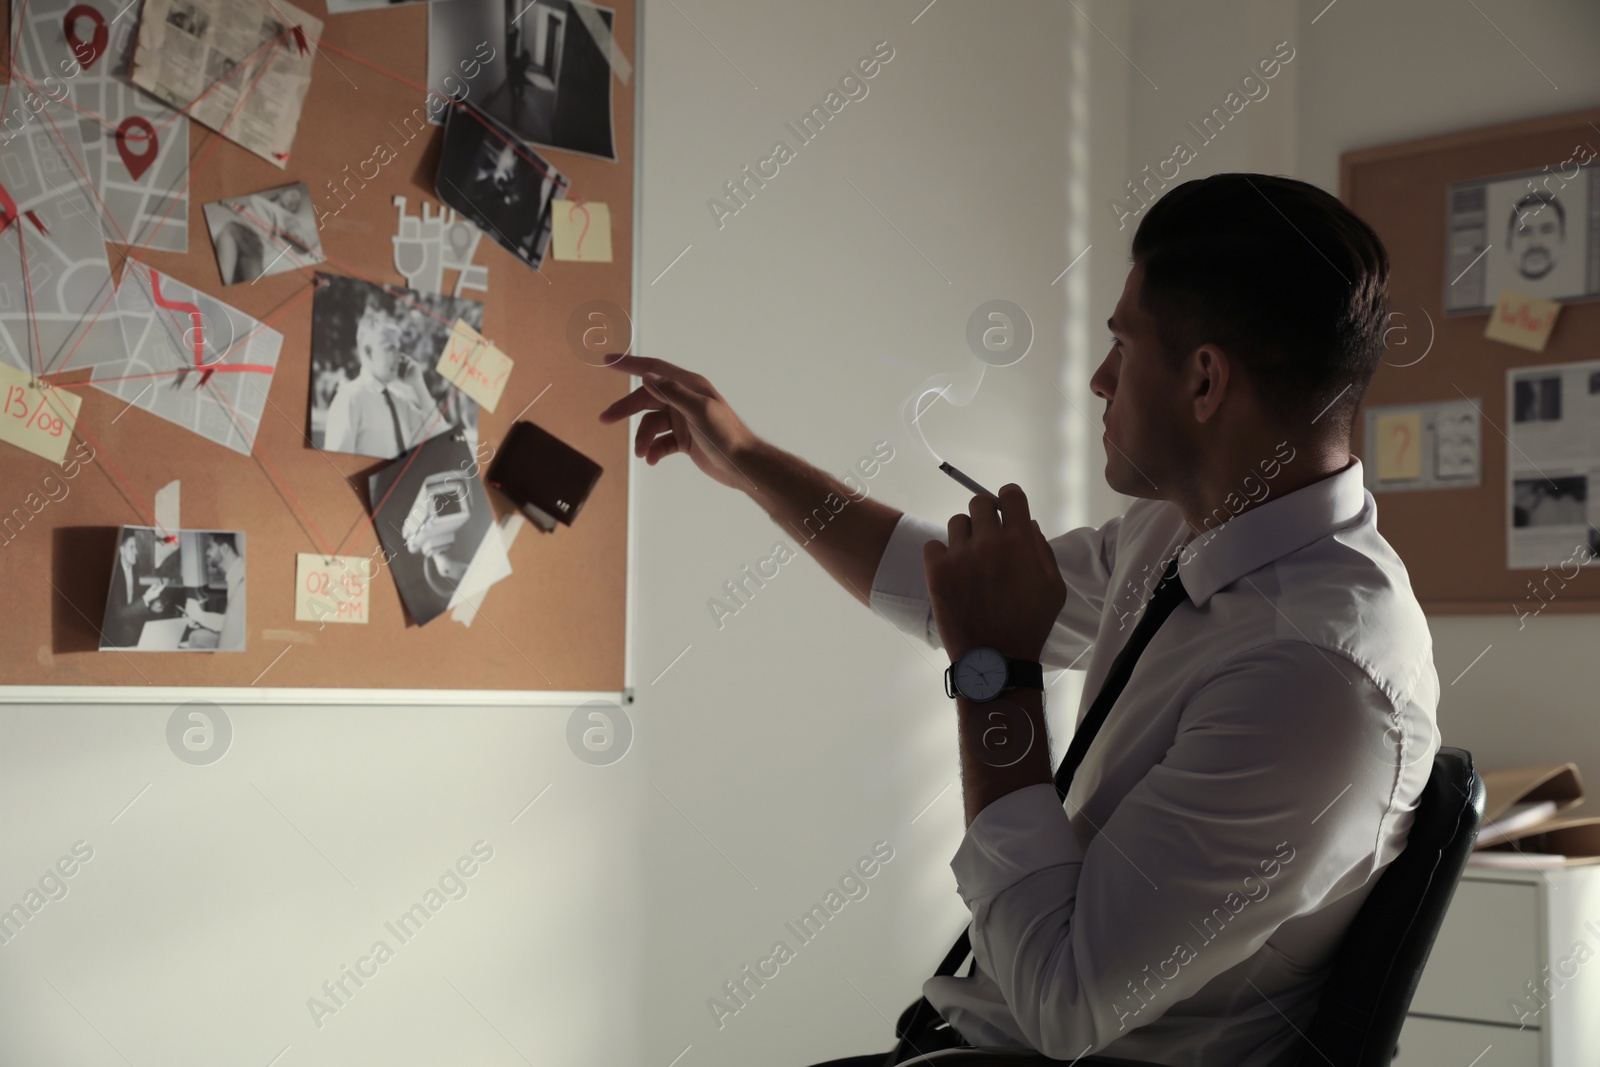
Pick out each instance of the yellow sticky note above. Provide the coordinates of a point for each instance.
(1524, 321)
(1399, 442)
(474, 365)
(39, 420)
(581, 231)
(331, 588)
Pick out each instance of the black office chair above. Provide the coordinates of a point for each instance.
(1375, 973)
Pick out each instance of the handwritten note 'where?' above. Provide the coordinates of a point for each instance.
(1521, 320)
(474, 365)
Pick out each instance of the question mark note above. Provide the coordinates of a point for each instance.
(581, 231)
(1399, 446)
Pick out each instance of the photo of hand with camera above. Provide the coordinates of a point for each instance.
(440, 510)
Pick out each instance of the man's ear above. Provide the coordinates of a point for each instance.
(1210, 380)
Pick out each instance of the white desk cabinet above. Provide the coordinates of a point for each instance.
(1514, 978)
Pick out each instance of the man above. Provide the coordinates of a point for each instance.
(1264, 760)
(224, 558)
(1535, 233)
(128, 606)
(386, 408)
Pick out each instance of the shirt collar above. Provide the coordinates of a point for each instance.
(1218, 557)
(365, 379)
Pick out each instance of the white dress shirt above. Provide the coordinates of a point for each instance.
(229, 622)
(1257, 773)
(359, 419)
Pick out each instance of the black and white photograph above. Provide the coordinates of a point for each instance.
(1526, 233)
(220, 67)
(1557, 501)
(432, 514)
(374, 389)
(498, 184)
(183, 594)
(548, 81)
(1537, 399)
(188, 18)
(264, 233)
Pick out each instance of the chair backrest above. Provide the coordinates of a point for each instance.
(1380, 960)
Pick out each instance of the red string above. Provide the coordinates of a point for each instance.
(278, 481)
(130, 253)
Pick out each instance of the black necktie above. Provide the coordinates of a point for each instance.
(1166, 596)
(399, 438)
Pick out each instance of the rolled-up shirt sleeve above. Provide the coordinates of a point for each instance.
(1262, 810)
(1085, 556)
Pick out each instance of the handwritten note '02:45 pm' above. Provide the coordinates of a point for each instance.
(331, 588)
(39, 420)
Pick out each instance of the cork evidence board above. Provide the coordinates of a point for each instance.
(557, 622)
(1458, 534)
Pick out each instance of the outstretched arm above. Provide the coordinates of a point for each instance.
(683, 412)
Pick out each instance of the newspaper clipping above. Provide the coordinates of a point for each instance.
(1552, 456)
(208, 54)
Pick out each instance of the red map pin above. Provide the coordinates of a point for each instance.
(136, 133)
(90, 50)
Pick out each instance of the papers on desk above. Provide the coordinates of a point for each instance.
(1516, 819)
(1509, 860)
(1526, 821)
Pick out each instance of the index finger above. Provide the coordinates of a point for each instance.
(640, 365)
(630, 405)
(1013, 506)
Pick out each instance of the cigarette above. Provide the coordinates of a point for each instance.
(964, 480)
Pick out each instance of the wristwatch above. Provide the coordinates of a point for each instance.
(982, 674)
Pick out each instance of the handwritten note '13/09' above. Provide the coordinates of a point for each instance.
(39, 420)
(331, 588)
(474, 365)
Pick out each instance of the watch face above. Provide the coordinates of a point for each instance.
(981, 674)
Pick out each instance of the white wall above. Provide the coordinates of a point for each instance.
(219, 898)
(787, 742)
(774, 751)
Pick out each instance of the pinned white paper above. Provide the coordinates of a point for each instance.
(467, 609)
(167, 508)
(427, 245)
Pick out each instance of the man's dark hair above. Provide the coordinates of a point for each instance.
(1281, 276)
(220, 539)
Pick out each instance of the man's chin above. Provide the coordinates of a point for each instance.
(1123, 479)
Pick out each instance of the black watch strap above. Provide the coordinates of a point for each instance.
(1024, 674)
